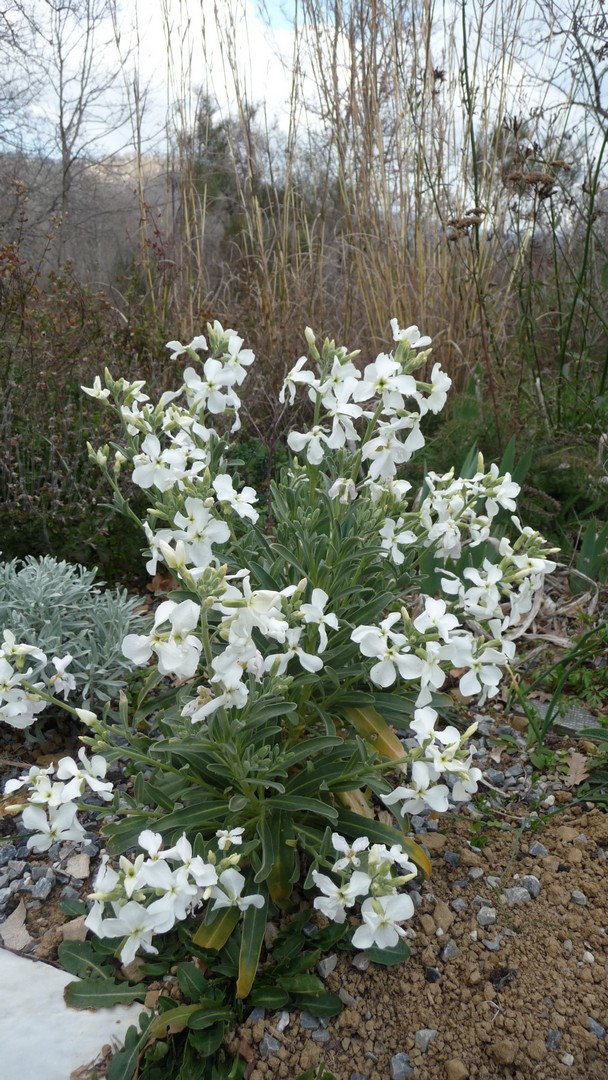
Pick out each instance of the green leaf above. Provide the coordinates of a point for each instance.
(300, 805)
(214, 931)
(173, 1020)
(389, 957)
(192, 982)
(124, 1064)
(252, 939)
(325, 1004)
(73, 908)
(301, 984)
(209, 1040)
(206, 1018)
(101, 993)
(80, 958)
(268, 997)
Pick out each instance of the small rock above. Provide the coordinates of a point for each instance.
(491, 944)
(434, 841)
(360, 962)
(517, 895)
(537, 850)
(358, 1076)
(596, 1029)
(43, 888)
(504, 1051)
(5, 895)
(452, 858)
(401, 1067)
(432, 975)
(327, 965)
(495, 776)
(78, 866)
(256, 1014)
(475, 873)
(459, 904)
(567, 1060)
(456, 1070)
(450, 951)
(345, 997)
(588, 957)
(514, 771)
(423, 1037)
(309, 1022)
(532, 884)
(553, 1039)
(7, 853)
(269, 1046)
(69, 893)
(578, 897)
(567, 946)
(283, 1022)
(320, 1036)
(443, 916)
(486, 916)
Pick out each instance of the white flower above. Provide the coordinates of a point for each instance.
(238, 359)
(88, 774)
(135, 923)
(337, 898)
(95, 390)
(435, 617)
(158, 468)
(229, 895)
(440, 384)
(350, 852)
(62, 682)
(411, 335)
(295, 377)
(381, 914)
(227, 837)
(199, 530)
(420, 795)
(314, 613)
(312, 440)
(11, 648)
(385, 644)
(178, 349)
(344, 490)
(385, 379)
(240, 501)
(393, 535)
(62, 824)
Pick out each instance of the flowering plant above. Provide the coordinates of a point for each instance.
(263, 735)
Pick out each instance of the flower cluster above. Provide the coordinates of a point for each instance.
(367, 871)
(150, 894)
(21, 700)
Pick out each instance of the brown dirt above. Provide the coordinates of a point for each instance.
(492, 1010)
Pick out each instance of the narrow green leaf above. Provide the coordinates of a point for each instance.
(301, 984)
(252, 939)
(325, 1005)
(192, 981)
(302, 805)
(101, 993)
(205, 1018)
(269, 997)
(389, 957)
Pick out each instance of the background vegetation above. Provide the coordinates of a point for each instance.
(434, 167)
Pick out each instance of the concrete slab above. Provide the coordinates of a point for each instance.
(39, 1035)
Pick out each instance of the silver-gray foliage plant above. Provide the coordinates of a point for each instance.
(61, 608)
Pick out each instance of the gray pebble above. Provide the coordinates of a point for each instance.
(532, 884)
(516, 895)
(495, 776)
(493, 882)
(481, 901)
(475, 872)
(7, 851)
(358, 1076)
(452, 858)
(416, 897)
(320, 1036)
(578, 897)
(460, 884)
(19, 866)
(345, 997)
(459, 904)
(537, 850)
(401, 1067)
(69, 893)
(42, 888)
(432, 974)
(360, 962)
(5, 895)
(492, 945)
(309, 1022)
(423, 1037)
(567, 1060)
(39, 872)
(567, 946)
(4, 880)
(418, 823)
(486, 916)
(283, 1021)
(269, 1046)
(596, 1028)
(327, 965)
(553, 1039)
(450, 951)
(256, 1014)
(515, 771)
